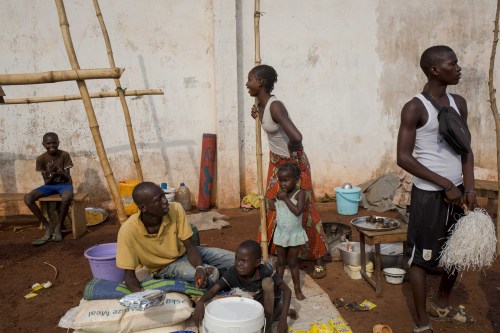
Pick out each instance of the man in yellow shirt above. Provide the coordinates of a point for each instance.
(159, 238)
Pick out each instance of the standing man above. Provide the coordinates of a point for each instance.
(443, 181)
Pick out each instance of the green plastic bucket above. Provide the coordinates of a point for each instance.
(348, 200)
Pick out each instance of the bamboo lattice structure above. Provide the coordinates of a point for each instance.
(89, 109)
(64, 98)
(496, 116)
(119, 90)
(258, 142)
(58, 76)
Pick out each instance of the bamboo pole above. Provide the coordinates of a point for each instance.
(57, 76)
(64, 98)
(494, 110)
(89, 109)
(258, 143)
(126, 113)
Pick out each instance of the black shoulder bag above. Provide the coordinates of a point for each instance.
(452, 127)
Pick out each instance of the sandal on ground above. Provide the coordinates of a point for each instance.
(418, 329)
(458, 316)
(40, 242)
(319, 272)
(382, 329)
(339, 302)
(353, 306)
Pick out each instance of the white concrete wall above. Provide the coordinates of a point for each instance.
(345, 69)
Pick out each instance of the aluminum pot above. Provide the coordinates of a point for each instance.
(391, 255)
(353, 257)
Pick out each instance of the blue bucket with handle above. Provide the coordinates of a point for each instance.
(348, 200)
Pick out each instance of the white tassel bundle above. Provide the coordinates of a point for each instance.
(472, 244)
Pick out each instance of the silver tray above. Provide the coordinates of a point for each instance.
(362, 223)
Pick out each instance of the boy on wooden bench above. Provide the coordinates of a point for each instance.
(54, 166)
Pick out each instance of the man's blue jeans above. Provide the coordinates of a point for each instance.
(182, 269)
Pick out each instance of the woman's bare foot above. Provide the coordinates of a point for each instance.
(299, 295)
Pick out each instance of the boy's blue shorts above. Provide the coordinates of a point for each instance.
(54, 188)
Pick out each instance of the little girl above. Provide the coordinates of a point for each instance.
(289, 235)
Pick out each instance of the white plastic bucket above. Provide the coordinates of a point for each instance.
(234, 315)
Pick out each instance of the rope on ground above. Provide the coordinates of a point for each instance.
(55, 269)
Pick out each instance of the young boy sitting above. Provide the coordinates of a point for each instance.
(54, 166)
(249, 275)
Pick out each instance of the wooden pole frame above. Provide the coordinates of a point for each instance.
(258, 142)
(89, 109)
(58, 76)
(121, 95)
(64, 98)
(494, 110)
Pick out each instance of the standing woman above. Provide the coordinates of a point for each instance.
(285, 145)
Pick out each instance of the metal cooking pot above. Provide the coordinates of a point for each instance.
(354, 257)
(347, 186)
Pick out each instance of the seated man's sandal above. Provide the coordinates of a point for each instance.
(424, 328)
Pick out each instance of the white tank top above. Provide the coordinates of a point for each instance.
(278, 140)
(434, 152)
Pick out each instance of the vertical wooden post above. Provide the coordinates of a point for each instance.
(89, 109)
(121, 94)
(494, 109)
(258, 144)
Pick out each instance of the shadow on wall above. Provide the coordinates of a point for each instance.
(162, 142)
(98, 193)
(9, 183)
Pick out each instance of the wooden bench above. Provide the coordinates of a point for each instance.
(487, 189)
(77, 209)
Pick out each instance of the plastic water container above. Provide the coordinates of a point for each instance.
(125, 187)
(348, 200)
(184, 197)
(354, 272)
(234, 314)
(102, 260)
(169, 192)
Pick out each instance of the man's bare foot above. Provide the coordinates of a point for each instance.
(299, 295)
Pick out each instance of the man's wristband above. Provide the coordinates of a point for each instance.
(447, 189)
(469, 191)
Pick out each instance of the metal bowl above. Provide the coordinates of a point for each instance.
(95, 216)
(353, 257)
(391, 255)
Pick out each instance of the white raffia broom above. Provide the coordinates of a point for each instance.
(472, 244)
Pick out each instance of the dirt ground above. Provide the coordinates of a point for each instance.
(21, 265)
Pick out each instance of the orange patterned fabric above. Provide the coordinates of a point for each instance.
(311, 221)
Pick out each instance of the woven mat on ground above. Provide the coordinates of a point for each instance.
(316, 308)
(104, 289)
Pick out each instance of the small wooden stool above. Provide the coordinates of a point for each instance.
(376, 238)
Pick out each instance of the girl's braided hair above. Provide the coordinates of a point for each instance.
(268, 74)
(289, 166)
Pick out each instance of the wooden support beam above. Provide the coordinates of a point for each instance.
(63, 98)
(121, 95)
(58, 76)
(89, 109)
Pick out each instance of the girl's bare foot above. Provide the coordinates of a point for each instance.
(299, 295)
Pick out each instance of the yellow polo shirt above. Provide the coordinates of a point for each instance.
(137, 247)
